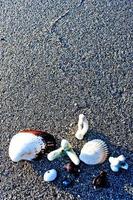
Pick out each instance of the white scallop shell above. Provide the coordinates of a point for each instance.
(50, 175)
(25, 146)
(94, 152)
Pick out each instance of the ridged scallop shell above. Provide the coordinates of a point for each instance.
(29, 144)
(94, 152)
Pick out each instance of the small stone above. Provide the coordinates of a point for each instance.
(100, 180)
(71, 125)
(66, 183)
(72, 168)
(6, 173)
(50, 175)
(3, 39)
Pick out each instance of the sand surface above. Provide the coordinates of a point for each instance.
(58, 59)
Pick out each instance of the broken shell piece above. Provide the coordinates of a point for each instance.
(63, 150)
(94, 152)
(73, 157)
(117, 163)
(50, 175)
(100, 180)
(82, 127)
(55, 154)
(65, 145)
(30, 144)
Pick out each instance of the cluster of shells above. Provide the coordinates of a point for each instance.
(30, 144)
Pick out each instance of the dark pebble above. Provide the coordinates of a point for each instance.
(100, 180)
(67, 183)
(72, 168)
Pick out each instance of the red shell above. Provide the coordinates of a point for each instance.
(35, 132)
(47, 138)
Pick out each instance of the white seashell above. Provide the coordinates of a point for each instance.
(27, 144)
(94, 152)
(50, 175)
(82, 127)
(118, 162)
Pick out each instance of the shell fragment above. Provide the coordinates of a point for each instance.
(117, 163)
(82, 127)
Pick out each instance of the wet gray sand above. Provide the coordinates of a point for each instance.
(59, 59)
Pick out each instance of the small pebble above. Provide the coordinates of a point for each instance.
(72, 168)
(100, 180)
(66, 183)
(71, 125)
(50, 175)
(2, 39)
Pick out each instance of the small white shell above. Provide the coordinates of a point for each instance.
(118, 162)
(94, 152)
(82, 127)
(50, 175)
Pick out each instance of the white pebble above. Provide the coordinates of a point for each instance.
(50, 175)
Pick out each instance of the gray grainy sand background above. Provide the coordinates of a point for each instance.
(60, 58)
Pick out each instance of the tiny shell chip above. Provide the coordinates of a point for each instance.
(94, 152)
(50, 175)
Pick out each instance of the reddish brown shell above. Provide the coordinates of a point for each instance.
(47, 138)
(35, 132)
